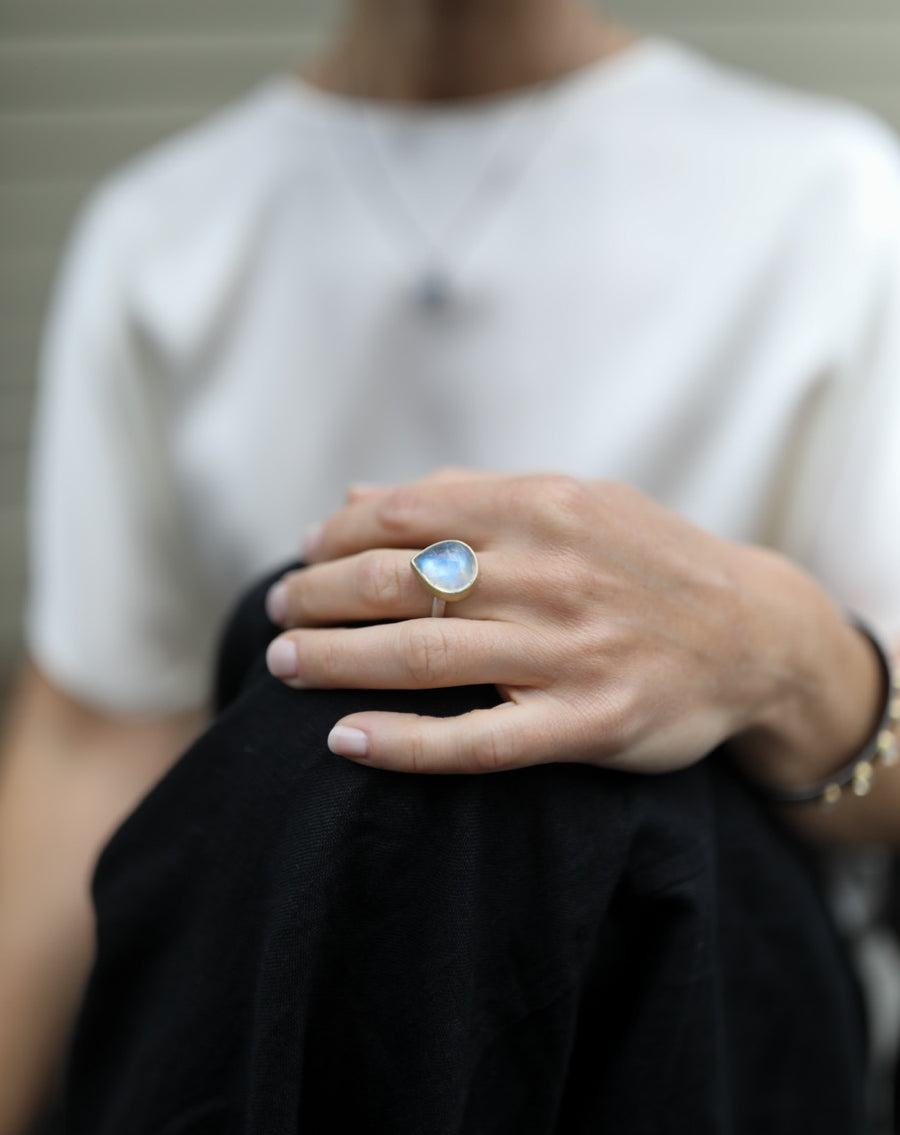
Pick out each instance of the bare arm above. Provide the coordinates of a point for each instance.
(68, 777)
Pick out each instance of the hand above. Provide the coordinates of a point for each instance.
(613, 629)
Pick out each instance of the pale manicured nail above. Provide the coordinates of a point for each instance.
(281, 658)
(277, 603)
(346, 742)
(312, 539)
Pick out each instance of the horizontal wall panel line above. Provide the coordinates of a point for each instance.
(80, 17)
(13, 47)
(62, 116)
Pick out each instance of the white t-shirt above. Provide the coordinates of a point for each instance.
(660, 271)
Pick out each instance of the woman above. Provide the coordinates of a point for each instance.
(564, 250)
(290, 942)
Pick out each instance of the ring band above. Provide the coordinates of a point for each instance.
(448, 570)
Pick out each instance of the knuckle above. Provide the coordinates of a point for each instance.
(494, 751)
(415, 750)
(563, 497)
(520, 494)
(325, 663)
(428, 653)
(379, 585)
(553, 502)
(620, 503)
(401, 509)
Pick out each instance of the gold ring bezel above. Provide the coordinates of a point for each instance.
(438, 592)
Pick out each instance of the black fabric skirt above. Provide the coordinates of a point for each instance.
(293, 943)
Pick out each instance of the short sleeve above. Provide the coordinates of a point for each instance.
(112, 617)
(854, 548)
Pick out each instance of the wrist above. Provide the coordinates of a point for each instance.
(881, 750)
(818, 681)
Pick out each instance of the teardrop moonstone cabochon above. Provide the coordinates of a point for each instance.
(448, 569)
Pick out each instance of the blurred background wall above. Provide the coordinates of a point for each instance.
(85, 83)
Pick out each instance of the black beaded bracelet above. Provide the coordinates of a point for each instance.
(883, 749)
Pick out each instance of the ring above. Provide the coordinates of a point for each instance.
(448, 569)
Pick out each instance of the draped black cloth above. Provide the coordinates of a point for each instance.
(293, 943)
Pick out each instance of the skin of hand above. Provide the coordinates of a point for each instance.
(616, 632)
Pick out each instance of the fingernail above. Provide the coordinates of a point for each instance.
(346, 742)
(281, 658)
(364, 489)
(277, 603)
(312, 539)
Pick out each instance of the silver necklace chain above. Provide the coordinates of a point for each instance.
(435, 285)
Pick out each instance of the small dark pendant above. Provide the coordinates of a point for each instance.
(433, 291)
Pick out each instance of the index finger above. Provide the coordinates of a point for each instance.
(418, 514)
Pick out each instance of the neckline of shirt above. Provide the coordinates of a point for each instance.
(605, 75)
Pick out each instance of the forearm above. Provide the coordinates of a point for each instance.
(825, 693)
